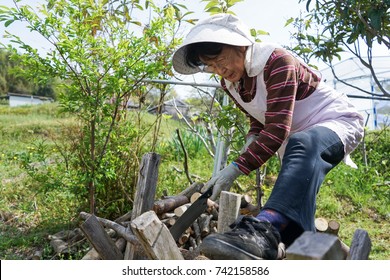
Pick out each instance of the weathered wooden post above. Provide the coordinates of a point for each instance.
(145, 192)
(155, 237)
(360, 246)
(315, 246)
(100, 240)
(229, 208)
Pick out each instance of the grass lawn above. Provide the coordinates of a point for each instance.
(29, 213)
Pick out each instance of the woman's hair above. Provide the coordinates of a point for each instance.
(203, 49)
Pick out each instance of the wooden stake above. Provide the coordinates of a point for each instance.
(100, 240)
(229, 207)
(155, 237)
(360, 246)
(315, 246)
(145, 193)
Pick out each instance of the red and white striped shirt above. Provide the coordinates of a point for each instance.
(286, 80)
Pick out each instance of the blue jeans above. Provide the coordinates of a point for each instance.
(308, 157)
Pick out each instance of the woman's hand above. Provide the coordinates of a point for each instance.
(223, 180)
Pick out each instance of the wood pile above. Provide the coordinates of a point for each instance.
(144, 233)
(324, 244)
(109, 238)
(167, 210)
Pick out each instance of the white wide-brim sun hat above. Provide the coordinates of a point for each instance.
(220, 28)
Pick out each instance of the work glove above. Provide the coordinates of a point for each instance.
(223, 180)
(249, 140)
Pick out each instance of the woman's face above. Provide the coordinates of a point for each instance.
(229, 64)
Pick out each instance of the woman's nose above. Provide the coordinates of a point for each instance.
(220, 69)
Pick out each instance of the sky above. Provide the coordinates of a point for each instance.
(266, 15)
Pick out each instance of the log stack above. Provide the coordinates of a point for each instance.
(109, 238)
(167, 209)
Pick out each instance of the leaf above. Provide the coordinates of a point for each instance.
(8, 22)
(211, 4)
(262, 32)
(289, 21)
(375, 19)
(213, 10)
(169, 12)
(166, 117)
(136, 23)
(308, 5)
(231, 3)
(253, 32)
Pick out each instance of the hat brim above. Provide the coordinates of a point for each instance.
(206, 33)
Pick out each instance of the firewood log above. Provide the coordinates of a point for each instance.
(204, 224)
(192, 242)
(169, 222)
(37, 255)
(59, 246)
(360, 245)
(201, 257)
(63, 235)
(213, 212)
(245, 200)
(169, 204)
(181, 209)
(212, 204)
(195, 196)
(120, 243)
(229, 210)
(213, 229)
(190, 254)
(155, 238)
(315, 246)
(197, 232)
(122, 231)
(78, 236)
(213, 223)
(123, 218)
(195, 187)
(100, 240)
(167, 215)
(184, 238)
(250, 209)
(321, 224)
(333, 227)
(92, 255)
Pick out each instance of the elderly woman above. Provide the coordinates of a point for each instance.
(291, 111)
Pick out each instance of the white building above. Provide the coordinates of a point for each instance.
(16, 99)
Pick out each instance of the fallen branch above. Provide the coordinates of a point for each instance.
(122, 231)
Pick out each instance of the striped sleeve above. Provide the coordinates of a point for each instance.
(281, 79)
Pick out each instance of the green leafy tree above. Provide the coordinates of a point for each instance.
(332, 27)
(12, 79)
(103, 55)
